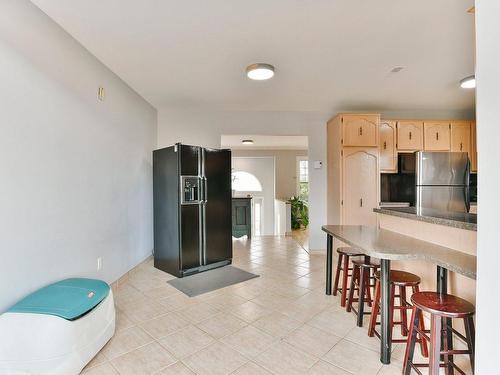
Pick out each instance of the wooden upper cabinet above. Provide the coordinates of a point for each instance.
(473, 156)
(437, 136)
(387, 146)
(360, 186)
(461, 137)
(410, 135)
(360, 130)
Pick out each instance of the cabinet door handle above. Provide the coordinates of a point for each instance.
(410, 136)
(461, 146)
(437, 136)
(385, 145)
(360, 130)
(360, 202)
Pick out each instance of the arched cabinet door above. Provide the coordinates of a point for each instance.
(360, 186)
(360, 130)
(387, 146)
(461, 137)
(410, 135)
(437, 136)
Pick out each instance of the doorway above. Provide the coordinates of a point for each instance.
(255, 177)
(300, 206)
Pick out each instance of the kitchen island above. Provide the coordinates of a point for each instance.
(460, 220)
(391, 247)
(457, 231)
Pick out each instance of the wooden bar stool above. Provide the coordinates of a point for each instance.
(345, 254)
(363, 270)
(440, 307)
(400, 280)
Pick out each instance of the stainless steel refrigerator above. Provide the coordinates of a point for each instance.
(192, 209)
(442, 181)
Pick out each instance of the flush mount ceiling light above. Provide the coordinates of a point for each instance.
(247, 141)
(468, 82)
(260, 72)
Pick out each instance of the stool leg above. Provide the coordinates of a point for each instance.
(423, 342)
(391, 307)
(367, 288)
(404, 316)
(447, 358)
(375, 310)
(448, 340)
(337, 274)
(434, 356)
(471, 341)
(345, 279)
(361, 298)
(410, 342)
(355, 271)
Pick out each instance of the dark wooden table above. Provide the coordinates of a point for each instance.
(387, 246)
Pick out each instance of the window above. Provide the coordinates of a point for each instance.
(244, 181)
(303, 171)
(303, 178)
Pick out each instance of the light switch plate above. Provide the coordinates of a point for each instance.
(318, 164)
(100, 94)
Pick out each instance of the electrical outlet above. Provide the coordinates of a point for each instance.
(99, 263)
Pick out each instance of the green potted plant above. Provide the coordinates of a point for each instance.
(300, 213)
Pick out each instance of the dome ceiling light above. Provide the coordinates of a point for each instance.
(468, 82)
(260, 71)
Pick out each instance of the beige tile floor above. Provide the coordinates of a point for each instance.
(281, 323)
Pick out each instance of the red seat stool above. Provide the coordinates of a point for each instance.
(345, 254)
(363, 270)
(441, 307)
(400, 280)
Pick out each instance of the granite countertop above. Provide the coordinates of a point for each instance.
(460, 220)
(385, 244)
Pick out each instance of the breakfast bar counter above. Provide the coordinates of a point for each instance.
(460, 220)
(391, 246)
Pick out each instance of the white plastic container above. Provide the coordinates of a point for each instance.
(42, 344)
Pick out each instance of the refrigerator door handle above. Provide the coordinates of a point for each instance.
(204, 236)
(205, 190)
(201, 230)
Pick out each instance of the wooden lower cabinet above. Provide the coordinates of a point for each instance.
(360, 180)
(387, 147)
(437, 136)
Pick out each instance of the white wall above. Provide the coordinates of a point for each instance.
(205, 127)
(488, 136)
(286, 168)
(263, 169)
(75, 173)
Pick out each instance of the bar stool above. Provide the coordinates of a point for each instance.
(363, 270)
(441, 307)
(400, 280)
(345, 253)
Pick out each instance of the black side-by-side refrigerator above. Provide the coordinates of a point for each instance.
(192, 209)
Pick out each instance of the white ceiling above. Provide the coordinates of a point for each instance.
(329, 54)
(265, 142)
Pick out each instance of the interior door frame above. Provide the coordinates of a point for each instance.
(261, 195)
